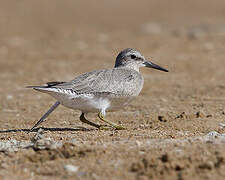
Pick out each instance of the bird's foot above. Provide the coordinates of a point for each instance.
(119, 127)
(105, 127)
(115, 127)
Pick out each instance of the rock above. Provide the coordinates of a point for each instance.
(214, 137)
(200, 114)
(162, 118)
(209, 115)
(40, 142)
(135, 167)
(14, 145)
(183, 115)
(71, 168)
(164, 158)
(206, 165)
(138, 143)
(39, 135)
(213, 134)
(222, 125)
(197, 32)
(9, 97)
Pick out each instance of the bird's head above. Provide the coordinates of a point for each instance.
(133, 59)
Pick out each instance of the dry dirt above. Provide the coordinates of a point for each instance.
(175, 128)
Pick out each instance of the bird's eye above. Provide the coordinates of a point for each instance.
(132, 56)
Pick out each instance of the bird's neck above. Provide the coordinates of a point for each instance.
(130, 66)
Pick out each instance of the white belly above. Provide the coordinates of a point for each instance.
(94, 103)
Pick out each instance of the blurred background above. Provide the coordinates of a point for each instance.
(35, 17)
(49, 34)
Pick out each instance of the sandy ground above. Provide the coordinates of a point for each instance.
(175, 128)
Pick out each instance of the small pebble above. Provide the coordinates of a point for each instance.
(165, 158)
(71, 168)
(162, 118)
(213, 134)
(222, 125)
(200, 114)
(9, 97)
(197, 32)
(183, 115)
(138, 143)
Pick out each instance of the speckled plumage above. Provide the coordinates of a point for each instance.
(117, 86)
(102, 90)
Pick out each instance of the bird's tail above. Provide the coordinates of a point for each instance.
(48, 87)
(40, 88)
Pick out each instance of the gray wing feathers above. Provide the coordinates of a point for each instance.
(108, 81)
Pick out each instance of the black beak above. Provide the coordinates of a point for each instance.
(155, 66)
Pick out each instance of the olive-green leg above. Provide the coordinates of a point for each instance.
(116, 126)
(84, 120)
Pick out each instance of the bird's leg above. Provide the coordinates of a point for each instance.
(84, 120)
(116, 126)
(45, 115)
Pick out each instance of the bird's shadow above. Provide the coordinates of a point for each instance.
(46, 129)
